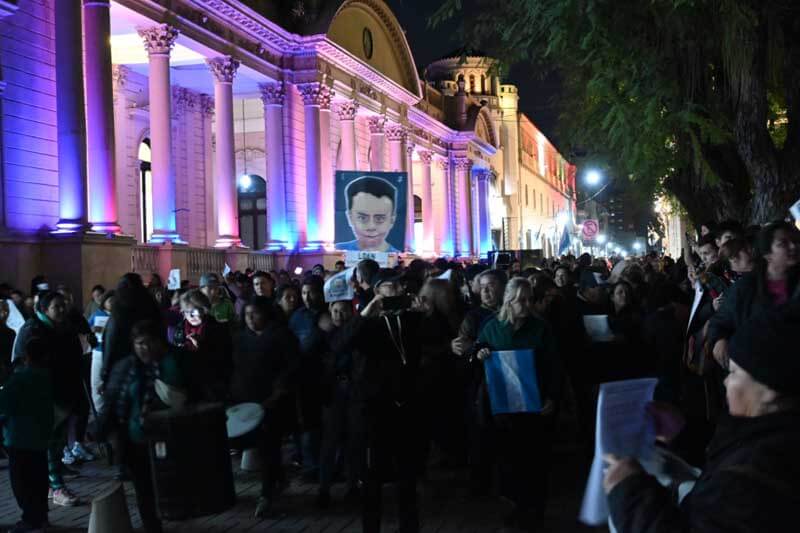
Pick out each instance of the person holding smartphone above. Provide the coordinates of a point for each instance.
(385, 334)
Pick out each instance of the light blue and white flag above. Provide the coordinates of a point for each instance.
(565, 243)
(511, 380)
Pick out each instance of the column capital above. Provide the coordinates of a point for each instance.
(482, 174)
(395, 132)
(316, 94)
(347, 110)
(223, 68)
(444, 164)
(159, 39)
(206, 104)
(426, 157)
(409, 148)
(376, 124)
(272, 93)
(462, 163)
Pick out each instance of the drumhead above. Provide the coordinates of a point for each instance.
(243, 418)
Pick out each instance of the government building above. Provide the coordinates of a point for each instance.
(148, 135)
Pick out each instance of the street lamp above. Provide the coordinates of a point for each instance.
(593, 177)
(245, 181)
(601, 239)
(637, 246)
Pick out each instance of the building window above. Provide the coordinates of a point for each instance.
(252, 192)
(526, 195)
(541, 204)
(146, 190)
(417, 209)
(472, 83)
(483, 85)
(534, 199)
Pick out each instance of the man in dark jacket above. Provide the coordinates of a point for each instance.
(392, 353)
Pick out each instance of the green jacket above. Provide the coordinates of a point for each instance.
(26, 402)
(534, 334)
(224, 312)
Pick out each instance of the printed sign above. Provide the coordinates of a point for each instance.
(338, 286)
(382, 258)
(370, 210)
(511, 381)
(590, 229)
(174, 279)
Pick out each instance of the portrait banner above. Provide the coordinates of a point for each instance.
(370, 211)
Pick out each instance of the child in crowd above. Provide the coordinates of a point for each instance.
(26, 402)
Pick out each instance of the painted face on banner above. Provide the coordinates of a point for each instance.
(371, 218)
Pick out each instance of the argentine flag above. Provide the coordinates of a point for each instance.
(512, 384)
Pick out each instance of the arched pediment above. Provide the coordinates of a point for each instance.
(479, 120)
(369, 30)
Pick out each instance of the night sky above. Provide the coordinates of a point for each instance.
(537, 96)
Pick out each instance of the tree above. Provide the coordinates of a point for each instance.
(699, 98)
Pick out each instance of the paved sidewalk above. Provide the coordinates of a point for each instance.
(444, 502)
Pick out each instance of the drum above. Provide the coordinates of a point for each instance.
(243, 418)
(192, 474)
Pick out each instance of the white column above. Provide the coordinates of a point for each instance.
(376, 125)
(445, 218)
(483, 219)
(273, 95)
(319, 172)
(428, 224)
(158, 41)
(224, 70)
(462, 196)
(347, 112)
(100, 116)
(395, 134)
(411, 244)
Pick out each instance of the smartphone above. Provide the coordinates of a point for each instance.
(396, 303)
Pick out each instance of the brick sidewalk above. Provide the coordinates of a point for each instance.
(444, 504)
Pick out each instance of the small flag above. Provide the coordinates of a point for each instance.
(447, 275)
(511, 381)
(563, 245)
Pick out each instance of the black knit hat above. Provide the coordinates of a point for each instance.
(766, 347)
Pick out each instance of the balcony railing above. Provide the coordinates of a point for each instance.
(202, 260)
(144, 259)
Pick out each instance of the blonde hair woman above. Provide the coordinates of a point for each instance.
(523, 439)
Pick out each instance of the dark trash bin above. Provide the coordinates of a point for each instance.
(191, 463)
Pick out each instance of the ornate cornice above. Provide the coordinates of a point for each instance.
(395, 132)
(272, 93)
(376, 124)
(223, 67)
(425, 156)
(462, 163)
(119, 73)
(347, 110)
(316, 94)
(159, 39)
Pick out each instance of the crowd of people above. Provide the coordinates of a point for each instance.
(370, 389)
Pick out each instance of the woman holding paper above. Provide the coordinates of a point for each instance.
(523, 378)
(752, 475)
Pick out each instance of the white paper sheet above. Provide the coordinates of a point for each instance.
(597, 328)
(623, 429)
(174, 279)
(15, 319)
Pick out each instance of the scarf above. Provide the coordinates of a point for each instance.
(44, 319)
(146, 376)
(189, 329)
